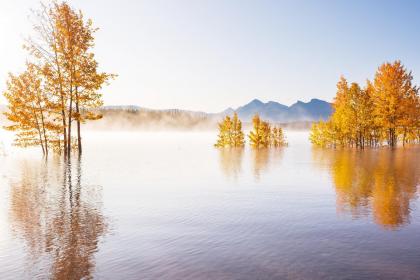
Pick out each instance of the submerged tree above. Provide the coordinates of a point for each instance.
(224, 137)
(230, 132)
(68, 72)
(322, 134)
(386, 109)
(259, 137)
(237, 133)
(264, 135)
(277, 137)
(395, 98)
(29, 110)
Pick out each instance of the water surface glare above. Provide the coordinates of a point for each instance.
(170, 206)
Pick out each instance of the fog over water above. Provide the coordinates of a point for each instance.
(159, 205)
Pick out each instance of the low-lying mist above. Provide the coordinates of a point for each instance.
(138, 120)
(177, 120)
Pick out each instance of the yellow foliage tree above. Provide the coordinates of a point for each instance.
(237, 133)
(322, 134)
(386, 109)
(230, 132)
(277, 137)
(62, 52)
(259, 137)
(28, 110)
(394, 98)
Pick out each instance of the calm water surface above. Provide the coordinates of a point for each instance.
(170, 206)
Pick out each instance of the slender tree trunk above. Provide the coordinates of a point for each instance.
(44, 132)
(62, 97)
(63, 113)
(41, 142)
(389, 138)
(69, 121)
(43, 126)
(63, 116)
(79, 135)
(392, 137)
(404, 136)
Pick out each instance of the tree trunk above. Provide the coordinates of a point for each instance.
(392, 137)
(404, 136)
(63, 116)
(79, 136)
(69, 121)
(63, 113)
(44, 132)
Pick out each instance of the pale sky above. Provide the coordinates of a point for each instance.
(209, 55)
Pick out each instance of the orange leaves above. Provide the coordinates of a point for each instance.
(387, 109)
(259, 137)
(230, 133)
(61, 85)
(263, 134)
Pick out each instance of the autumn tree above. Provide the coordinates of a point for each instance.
(84, 81)
(361, 121)
(342, 113)
(259, 137)
(387, 109)
(224, 137)
(230, 132)
(237, 133)
(277, 138)
(28, 109)
(394, 98)
(62, 50)
(322, 134)
(352, 121)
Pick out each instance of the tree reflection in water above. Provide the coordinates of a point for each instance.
(263, 158)
(59, 218)
(383, 182)
(231, 161)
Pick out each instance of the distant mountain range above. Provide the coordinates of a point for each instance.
(313, 110)
(135, 116)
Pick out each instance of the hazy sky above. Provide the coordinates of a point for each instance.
(208, 55)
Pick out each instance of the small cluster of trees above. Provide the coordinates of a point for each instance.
(385, 110)
(230, 132)
(262, 135)
(60, 84)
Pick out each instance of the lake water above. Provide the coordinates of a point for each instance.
(170, 206)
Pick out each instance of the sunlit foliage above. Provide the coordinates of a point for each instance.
(259, 137)
(277, 138)
(230, 132)
(61, 84)
(29, 107)
(387, 110)
(264, 135)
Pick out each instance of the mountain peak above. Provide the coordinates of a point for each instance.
(228, 111)
(297, 103)
(256, 102)
(316, 100)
